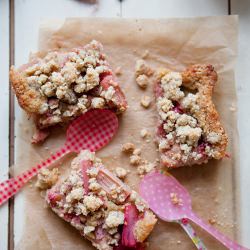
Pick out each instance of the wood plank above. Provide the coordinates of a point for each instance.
(4, 110)
(36, 11)
(173, 8)
(242, 8)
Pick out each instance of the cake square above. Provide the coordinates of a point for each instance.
(100, 206)
(61, 85)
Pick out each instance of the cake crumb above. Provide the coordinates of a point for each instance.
(142, 81)
(212, 221)
(145, 101)
(137, 151)
(121, 172)
(144, 133)
(178, 242)
(135, 160)
(141, 68)
(46, 178)
(175, 199)
(118, 71)
(128, 147)
(145, 168)
(145, 54)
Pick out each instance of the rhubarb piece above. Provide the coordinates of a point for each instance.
(131, 217)
(98, 204)
(189, 130)
(62, 85)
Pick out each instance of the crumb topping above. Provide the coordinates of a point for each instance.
(114, 219)
(46, 178)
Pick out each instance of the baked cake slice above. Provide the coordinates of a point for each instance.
(61, 85)
(189, 130)
(98, 204)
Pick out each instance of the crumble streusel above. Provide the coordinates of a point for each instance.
(189, 130)
(62, 85)
(110, 215)
(145, 101)
(46, 178)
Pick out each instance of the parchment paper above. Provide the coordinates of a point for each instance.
(173, 43)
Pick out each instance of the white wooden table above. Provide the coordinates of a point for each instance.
(19, 24)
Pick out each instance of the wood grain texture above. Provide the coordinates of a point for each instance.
(242, 8)
(173, 8)
(4, 130)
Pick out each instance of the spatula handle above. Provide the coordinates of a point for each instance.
(216, 234)
(192, 234)
(11, 186)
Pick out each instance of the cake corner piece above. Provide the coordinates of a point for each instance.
(189, 130)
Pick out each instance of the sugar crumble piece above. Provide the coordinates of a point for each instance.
(145, 101)
(128, 147)
(142, 81)
(118, 71)
(144, 133)
(114, 219)
(121, 172)
(46, 178)
(137, 151)
(135, 160)
(141, 68)
(212, 221)
(145, 168)
(145, 54)
(92, 203)
(175, 199)
(88, 229)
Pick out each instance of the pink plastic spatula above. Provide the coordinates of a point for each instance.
(157, 190)
(92, 131)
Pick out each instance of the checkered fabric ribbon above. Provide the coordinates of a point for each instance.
(92, 130)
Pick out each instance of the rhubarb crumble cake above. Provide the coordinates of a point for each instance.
(189, 130)
(98, 204)
(62, 85)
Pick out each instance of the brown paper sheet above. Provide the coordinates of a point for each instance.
(173, 43)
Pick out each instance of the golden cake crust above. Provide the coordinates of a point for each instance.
(29, 99)
(203, 78)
